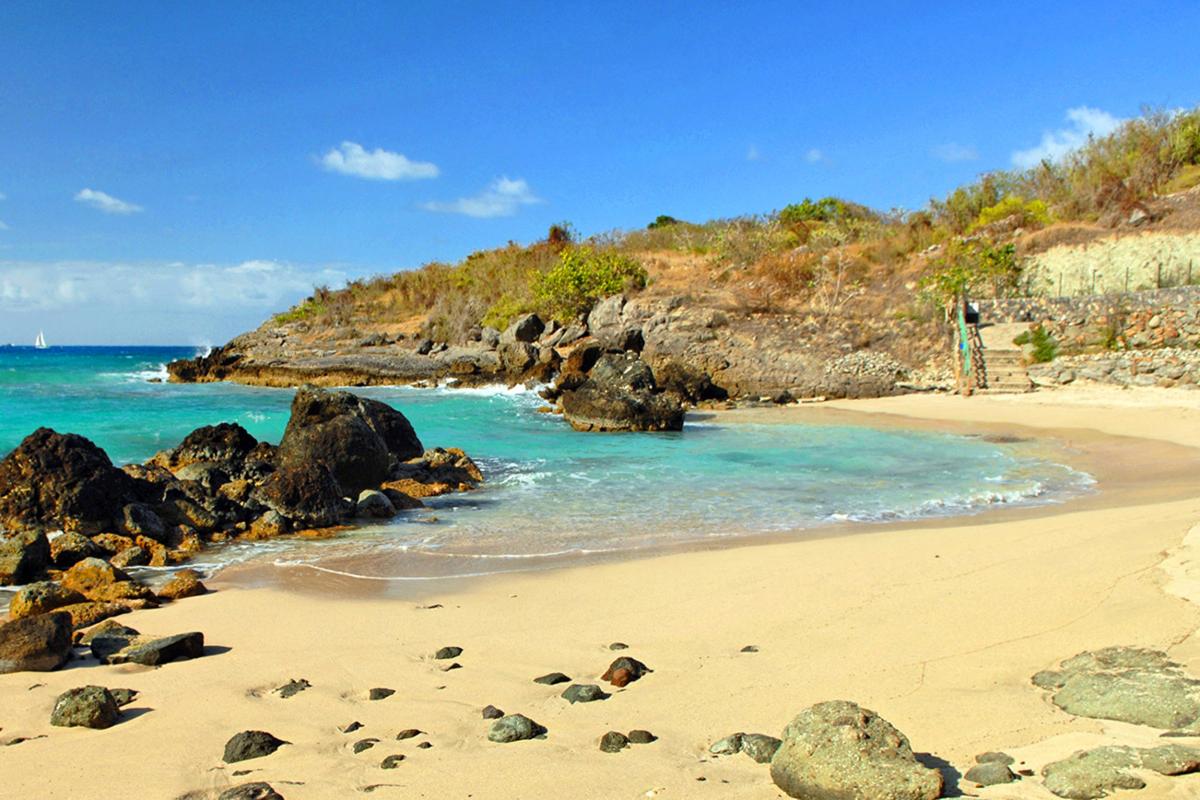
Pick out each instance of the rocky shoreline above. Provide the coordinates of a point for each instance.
(76, 523)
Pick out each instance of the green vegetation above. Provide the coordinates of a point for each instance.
(662, 221)
(966, 267)
(1045, 348)
(583, 276)
(1027, 213)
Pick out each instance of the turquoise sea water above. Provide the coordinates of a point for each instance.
(551, 492)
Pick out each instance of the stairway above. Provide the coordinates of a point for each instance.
(1006, 373)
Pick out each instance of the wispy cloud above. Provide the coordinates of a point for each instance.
(352, 158)
(953, 152)
(814, 156)
(752, 154)
(106, 202)
(1083, 122)
(502, 198)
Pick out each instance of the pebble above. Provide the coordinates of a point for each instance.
(584, 693)
(448, 652)
(552, 678)
(364, 744)
(491, 712)
(292, 687)
(408, 733)
(380, 693)
(750, 648)
(613, 742)
(641, 737)
(392, 761)
(351, 728)
(425, 745)
(618, 646)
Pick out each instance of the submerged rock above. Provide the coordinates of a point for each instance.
(35, 644)
(85, 707)
(514, 728)
(251, 744)
(839, 750)
(1090, 774)
(1129, 684)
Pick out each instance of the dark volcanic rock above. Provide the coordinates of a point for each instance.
(514, 728)
(258, 790)
(306, 493)
(35, 644)
(292, 688)
(364, 744)
(613, 742)
(358, 439)
(640, 736)
(251, 744)
(1128, 684)
(23, 556)
(380, 693)
(448, 652)
(226, 444)
(620, 395)
(408, 733)
(552, 679)
(625, 670)
(392, 761)
(138, 519)
(85, 707)
(840, 750)
(491, 712)
(584, 693)
(526, 328)
(64, 481)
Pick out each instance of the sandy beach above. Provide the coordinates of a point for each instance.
(937, 626)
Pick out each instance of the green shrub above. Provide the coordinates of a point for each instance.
(581, 277)
(662, 221)
(1045, 348)
(1031, 212)
(827, 209)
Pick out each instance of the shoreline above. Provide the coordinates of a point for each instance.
(932, 625)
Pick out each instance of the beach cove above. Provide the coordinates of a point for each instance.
(934, 626)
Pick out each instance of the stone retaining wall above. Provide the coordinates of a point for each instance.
(1138, 320)
(1166, 367)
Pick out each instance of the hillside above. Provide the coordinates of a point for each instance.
(821, 298)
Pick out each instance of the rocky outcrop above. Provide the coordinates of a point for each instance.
(61, 481)
(1090, 774)
(840, 751)
(306, 494)
(40, 598)
(358, 439)
(1128, 684)
(35, 644)
(1166, 368)
(620, 394)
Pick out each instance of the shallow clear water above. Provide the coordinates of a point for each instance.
(551, 492)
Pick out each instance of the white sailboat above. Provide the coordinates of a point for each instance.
(40, 341)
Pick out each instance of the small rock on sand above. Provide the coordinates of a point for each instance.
(392, 761)
(618, 646)
(408, 733)
(990, 773)
(584, 693)
(514, 728)
(85, 707)
(292, 688)
(641, 737)
(552, 678)
(447, 653)
(364, 744)
(491, 712)
(251, 744)
(380, 693)
(759, 747)
(259, 790)
(630, 670)
(351, 727)
(613, 742)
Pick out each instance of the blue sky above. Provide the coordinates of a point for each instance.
(174, 172)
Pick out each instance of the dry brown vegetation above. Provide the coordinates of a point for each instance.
(828, 256)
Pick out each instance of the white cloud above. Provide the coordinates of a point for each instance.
(1084, 122)
(105, 202)
(814, 156)
(378, 164)
(502, 198)
(752, 154)
(952, 152)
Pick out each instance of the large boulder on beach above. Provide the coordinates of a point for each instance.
(35, 644)
(620, 394)
(356, 438)
(838, 750)
(23, 557)
(305, 493)
(1128, 684)
(63, 481)
(226, 444)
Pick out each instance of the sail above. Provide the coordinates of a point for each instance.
(40, 342)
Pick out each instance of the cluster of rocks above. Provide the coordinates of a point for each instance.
(1138, 320)
(1166, 368)
(342, 457)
